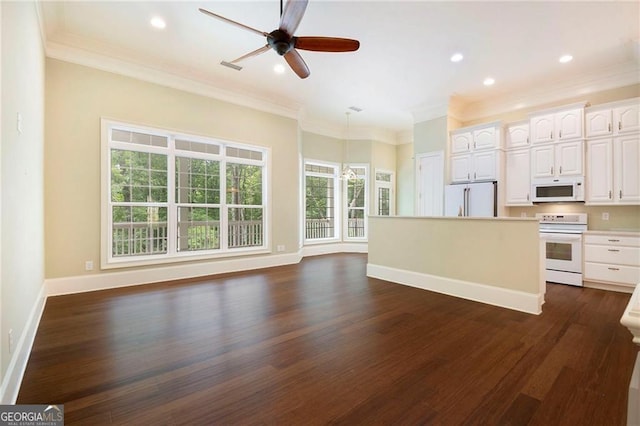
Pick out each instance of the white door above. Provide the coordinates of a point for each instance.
(461, 168)
(627, 118)
(517, 135)
(627, 169)
(485, 138)
(461, 142)
(569, 158)
(598, 123)
(518, 179)
(599, 171)
(430, 183)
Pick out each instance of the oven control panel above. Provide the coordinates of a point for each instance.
(569, 218)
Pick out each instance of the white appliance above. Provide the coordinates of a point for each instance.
(471, 199)
(562, 236)
(565, 189)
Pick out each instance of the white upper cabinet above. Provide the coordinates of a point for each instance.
(627, 168)
(613, 119)
(461, 142)
(518, 177)
(479, 166)
(564, 159)
(613, 170)
(557, 126)
(517, 135)
(486, 138)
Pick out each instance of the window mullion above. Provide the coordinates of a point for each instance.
(172, 213)
(224, 209)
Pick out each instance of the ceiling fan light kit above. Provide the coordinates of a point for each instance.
(283, 41)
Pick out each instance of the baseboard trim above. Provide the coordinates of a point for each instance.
(18, 363)
(107, 280)
(530, 303)
(321, 249)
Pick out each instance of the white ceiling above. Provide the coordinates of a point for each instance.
(401, 72)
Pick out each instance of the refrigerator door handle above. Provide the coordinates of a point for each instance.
(466, 201)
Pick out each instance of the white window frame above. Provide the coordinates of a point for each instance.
(337, 200)
(108, 261)
(345, 206)
(391, 185)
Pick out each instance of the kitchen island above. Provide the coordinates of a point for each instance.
(498, 261)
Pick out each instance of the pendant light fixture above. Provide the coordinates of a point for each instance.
(347, 172)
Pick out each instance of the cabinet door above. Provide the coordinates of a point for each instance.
(517, 135)
(627, 118)
(461, 168)
(627, 165)
(598, 123)
(542, 161)
(541, 128)
(568, 124)
(518, 179)
(569, 158)
(485, 165)
(461, 142)
(485, 138)
(599, 171)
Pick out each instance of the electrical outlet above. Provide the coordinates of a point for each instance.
(88, 265)
(280, 248)
(10, 340)
(605, 216)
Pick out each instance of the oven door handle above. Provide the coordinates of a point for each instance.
(561, 238)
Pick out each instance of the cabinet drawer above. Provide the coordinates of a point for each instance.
(611, 254)
(612, 240)
(629, 275)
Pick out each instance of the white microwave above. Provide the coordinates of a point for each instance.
(565, 189)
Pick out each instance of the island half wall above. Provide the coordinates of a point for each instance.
(498, 261)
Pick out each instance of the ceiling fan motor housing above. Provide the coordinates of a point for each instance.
(280, 41)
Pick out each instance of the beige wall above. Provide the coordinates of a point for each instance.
(406, 180)
(77, 97)
(22, 226)
(496, 252)
(431, 135)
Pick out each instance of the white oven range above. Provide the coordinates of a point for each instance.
(562, 236)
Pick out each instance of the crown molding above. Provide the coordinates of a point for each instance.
(153, 75)
(610, 77)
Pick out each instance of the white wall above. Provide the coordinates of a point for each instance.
(22, 183)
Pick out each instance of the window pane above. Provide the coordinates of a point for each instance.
(248, 154)
(327, 170)
(384, 195)
(138, 177)
(320, 207)
(139, 230)
(186, 145)
(245, 227)
(197, 181)
(138, 138)
(383, 177)
(355, 192)
(355, 223)
(244, 184)
(198, 228)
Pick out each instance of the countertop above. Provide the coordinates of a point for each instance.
(619, 232)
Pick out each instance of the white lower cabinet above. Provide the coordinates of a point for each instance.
(612, 258)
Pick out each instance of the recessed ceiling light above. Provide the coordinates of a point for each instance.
(457, 57)
(488, 81)
(565, 58)
(158, 22)
(278, 69)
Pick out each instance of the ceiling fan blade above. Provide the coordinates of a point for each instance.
(297, 64)
(222, 18)
(250, 54)
(326, 44)
(292, 15)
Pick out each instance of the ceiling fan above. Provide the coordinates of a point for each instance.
(283, 41)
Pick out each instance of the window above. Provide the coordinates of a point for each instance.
(356, 204)
(321, 195)
(384, 193)
(175, 196)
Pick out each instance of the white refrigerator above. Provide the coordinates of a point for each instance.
(471, 199)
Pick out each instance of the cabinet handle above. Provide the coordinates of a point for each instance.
(527, 197)
(560, 169)
(475, 176)
(551, 169)
(467, 146)
(614, 269)
(527, 140)
(551, 134)
(609, 127)
(614, 241)
(619, 125)
(468, 176)
(613, 250)
(609, 194)
(621, 194)
(560, 134)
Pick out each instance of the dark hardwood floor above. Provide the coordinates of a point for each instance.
(319, 343)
